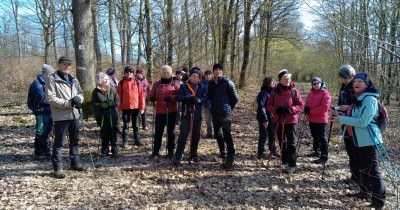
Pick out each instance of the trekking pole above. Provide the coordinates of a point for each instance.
(275, 132)
(282, 136)
(152, 127)
(191, 133)
(87, 144)
(329, 139)
(166, 140)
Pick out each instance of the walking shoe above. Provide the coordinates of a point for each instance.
(137, 143)
(361, 195)
(77, 167)
(154, 157)
(59, 174)
(176, 162)
(276, 154)
(170, 154)
(195, 159)
(320, 161)
(349, 181)
(228, 163)
(124, 144)
(290, 170)
(145, 128)
(376, 206)
(114, 155)
(261, 156)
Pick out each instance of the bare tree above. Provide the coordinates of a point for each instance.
(189, 34)
(95, 22)
(111, 28)
(140, 34)
(149, 37)
(84, 52)
(15, 6)
(169, 31)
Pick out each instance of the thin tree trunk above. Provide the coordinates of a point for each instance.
(140, 34)
(84, 52)
(128, 34)
(246, 42)
(226, 29)
(233, 42)
(95, 23)
(54, 29)
(149, 37)
(15, 6)
(189, 34)
(170, 35)
(111, 28)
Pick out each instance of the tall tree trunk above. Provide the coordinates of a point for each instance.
(149, 37)
(233, 42)
(15, 6)
(47, 43)
(246, 42)
(129, 34)
(170, 35)
(226, 29)
(392, 73)
(268, 22)
(189, 34)
(54, 29)
(95, 23)
(140, 34)
(84, 52)
(111, 28)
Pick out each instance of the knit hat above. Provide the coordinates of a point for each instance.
(65, 61)
(177, 72)
(46, 69)
(346, 71)
(281, 73)
(363, 76)
(110, 71)
(195, 70)
(207, 72)
(139, 71)
(316, 79)
(128, 69)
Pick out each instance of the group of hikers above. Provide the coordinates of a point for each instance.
(182, 99)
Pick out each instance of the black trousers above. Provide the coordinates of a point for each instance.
(320, 142)
(60, 129)
(287, 141)
(160, 124)
(351, 150)
(370, 177)
(184, 134)
(269, 132)
(127, 116)
(108, 132)
(224, 138)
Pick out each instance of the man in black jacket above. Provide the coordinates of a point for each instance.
(223, 98)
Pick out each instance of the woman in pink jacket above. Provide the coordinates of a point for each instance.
(285, 104)
(317, 111)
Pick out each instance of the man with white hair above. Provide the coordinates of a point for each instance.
(37, 102)
(65, 96)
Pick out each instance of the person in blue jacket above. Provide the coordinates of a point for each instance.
(360, 121)
(223, 98)
(192, 94)
(37, 102)
(206, 106)
(265, 123)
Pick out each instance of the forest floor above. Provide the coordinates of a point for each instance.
(132, 181)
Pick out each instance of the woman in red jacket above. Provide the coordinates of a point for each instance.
(317, 110)
(285, 104)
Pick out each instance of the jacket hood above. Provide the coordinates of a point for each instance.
(365, 94)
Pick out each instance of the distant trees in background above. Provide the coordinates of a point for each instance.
(252, 38)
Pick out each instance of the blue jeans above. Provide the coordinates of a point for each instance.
(61, 128)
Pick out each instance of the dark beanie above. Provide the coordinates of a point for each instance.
(281, 73)
(207, 72)
(218, 66)
(110, 71)
(195, 70)
(139, 71)
(128, 69)
(64, 60)
(316, 79)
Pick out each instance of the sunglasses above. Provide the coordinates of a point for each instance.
(128, 72)
(316, 83)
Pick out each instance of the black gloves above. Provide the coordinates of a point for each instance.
(167, 99)
(283, 110)
(196, 100)
(107, 104)
(307, 110)
(76, 102)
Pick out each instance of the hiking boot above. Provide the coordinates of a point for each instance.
(228, 163)
(137, 143)
(195, 159)
(276, 154)
(290, 170)
(59, 174)
(320, 161)
(349, 181)
(361, 195)
(124, 144)
(376, 206)
(154, 157)
(261, 156)
(77, 167)
(114, 152)
(145, 128)
(176, 162)
(170, 154)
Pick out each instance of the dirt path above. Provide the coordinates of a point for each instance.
(133, 182)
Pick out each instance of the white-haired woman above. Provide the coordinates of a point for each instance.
(105, 100)
(164, 94)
